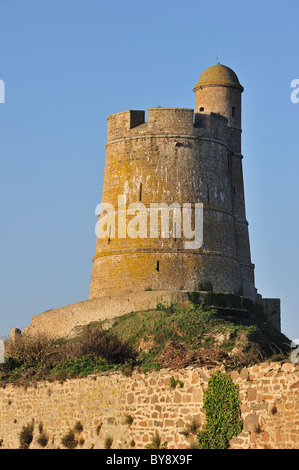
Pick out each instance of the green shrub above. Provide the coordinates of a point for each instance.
(80, 367)
(221, 404)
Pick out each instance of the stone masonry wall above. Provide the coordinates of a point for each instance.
(268, 391)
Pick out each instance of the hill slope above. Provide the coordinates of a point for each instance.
(219, 329)
(186, 334)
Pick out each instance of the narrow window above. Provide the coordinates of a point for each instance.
(158, 266)
(233, 111)
(109, 234)
(201, 109)
(234, 189)
(140, 192)
(175, 231)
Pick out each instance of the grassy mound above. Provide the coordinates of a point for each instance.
(204, 335)
(222, 329)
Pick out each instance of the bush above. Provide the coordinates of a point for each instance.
(79, 367)
(10, 364)
(32, 350)
(94, 341)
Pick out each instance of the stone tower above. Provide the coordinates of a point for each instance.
(178, 156)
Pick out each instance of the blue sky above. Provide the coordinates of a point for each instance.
(68, 64)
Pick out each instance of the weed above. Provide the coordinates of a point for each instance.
(69, 441)
(128, 420)
(156, 443)
(43, 439)
(26, 435)
(174, 382)
(108, 442)
(78, 427)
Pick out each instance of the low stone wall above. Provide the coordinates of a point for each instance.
(65, 320)
(268, 391)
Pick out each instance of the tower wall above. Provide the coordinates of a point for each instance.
(168, 160)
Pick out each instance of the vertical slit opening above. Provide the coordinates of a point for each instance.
(158, 266)
(140, 192)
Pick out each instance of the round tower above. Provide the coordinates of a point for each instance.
(174, 159)
(219, 91)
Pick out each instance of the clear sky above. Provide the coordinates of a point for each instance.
(68, 64)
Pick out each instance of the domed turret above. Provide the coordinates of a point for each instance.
(219, 91)
(218, 75)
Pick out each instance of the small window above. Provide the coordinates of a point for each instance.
(201, 109)
(158, 266)
(140, 192)
(109, 234)
(233, 111)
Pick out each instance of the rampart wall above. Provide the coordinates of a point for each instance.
(102, 403)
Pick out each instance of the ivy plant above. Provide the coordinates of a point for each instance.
(221, 404)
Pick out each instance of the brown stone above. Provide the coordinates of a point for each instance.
(197, 396)
(295, 385)
(287, 366)
(251, 394)
(177, 397)
(195, 378)
(130, 398)
(244, 374)
(234, 375)
(251, 423)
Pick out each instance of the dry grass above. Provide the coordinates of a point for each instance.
(31, 358)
